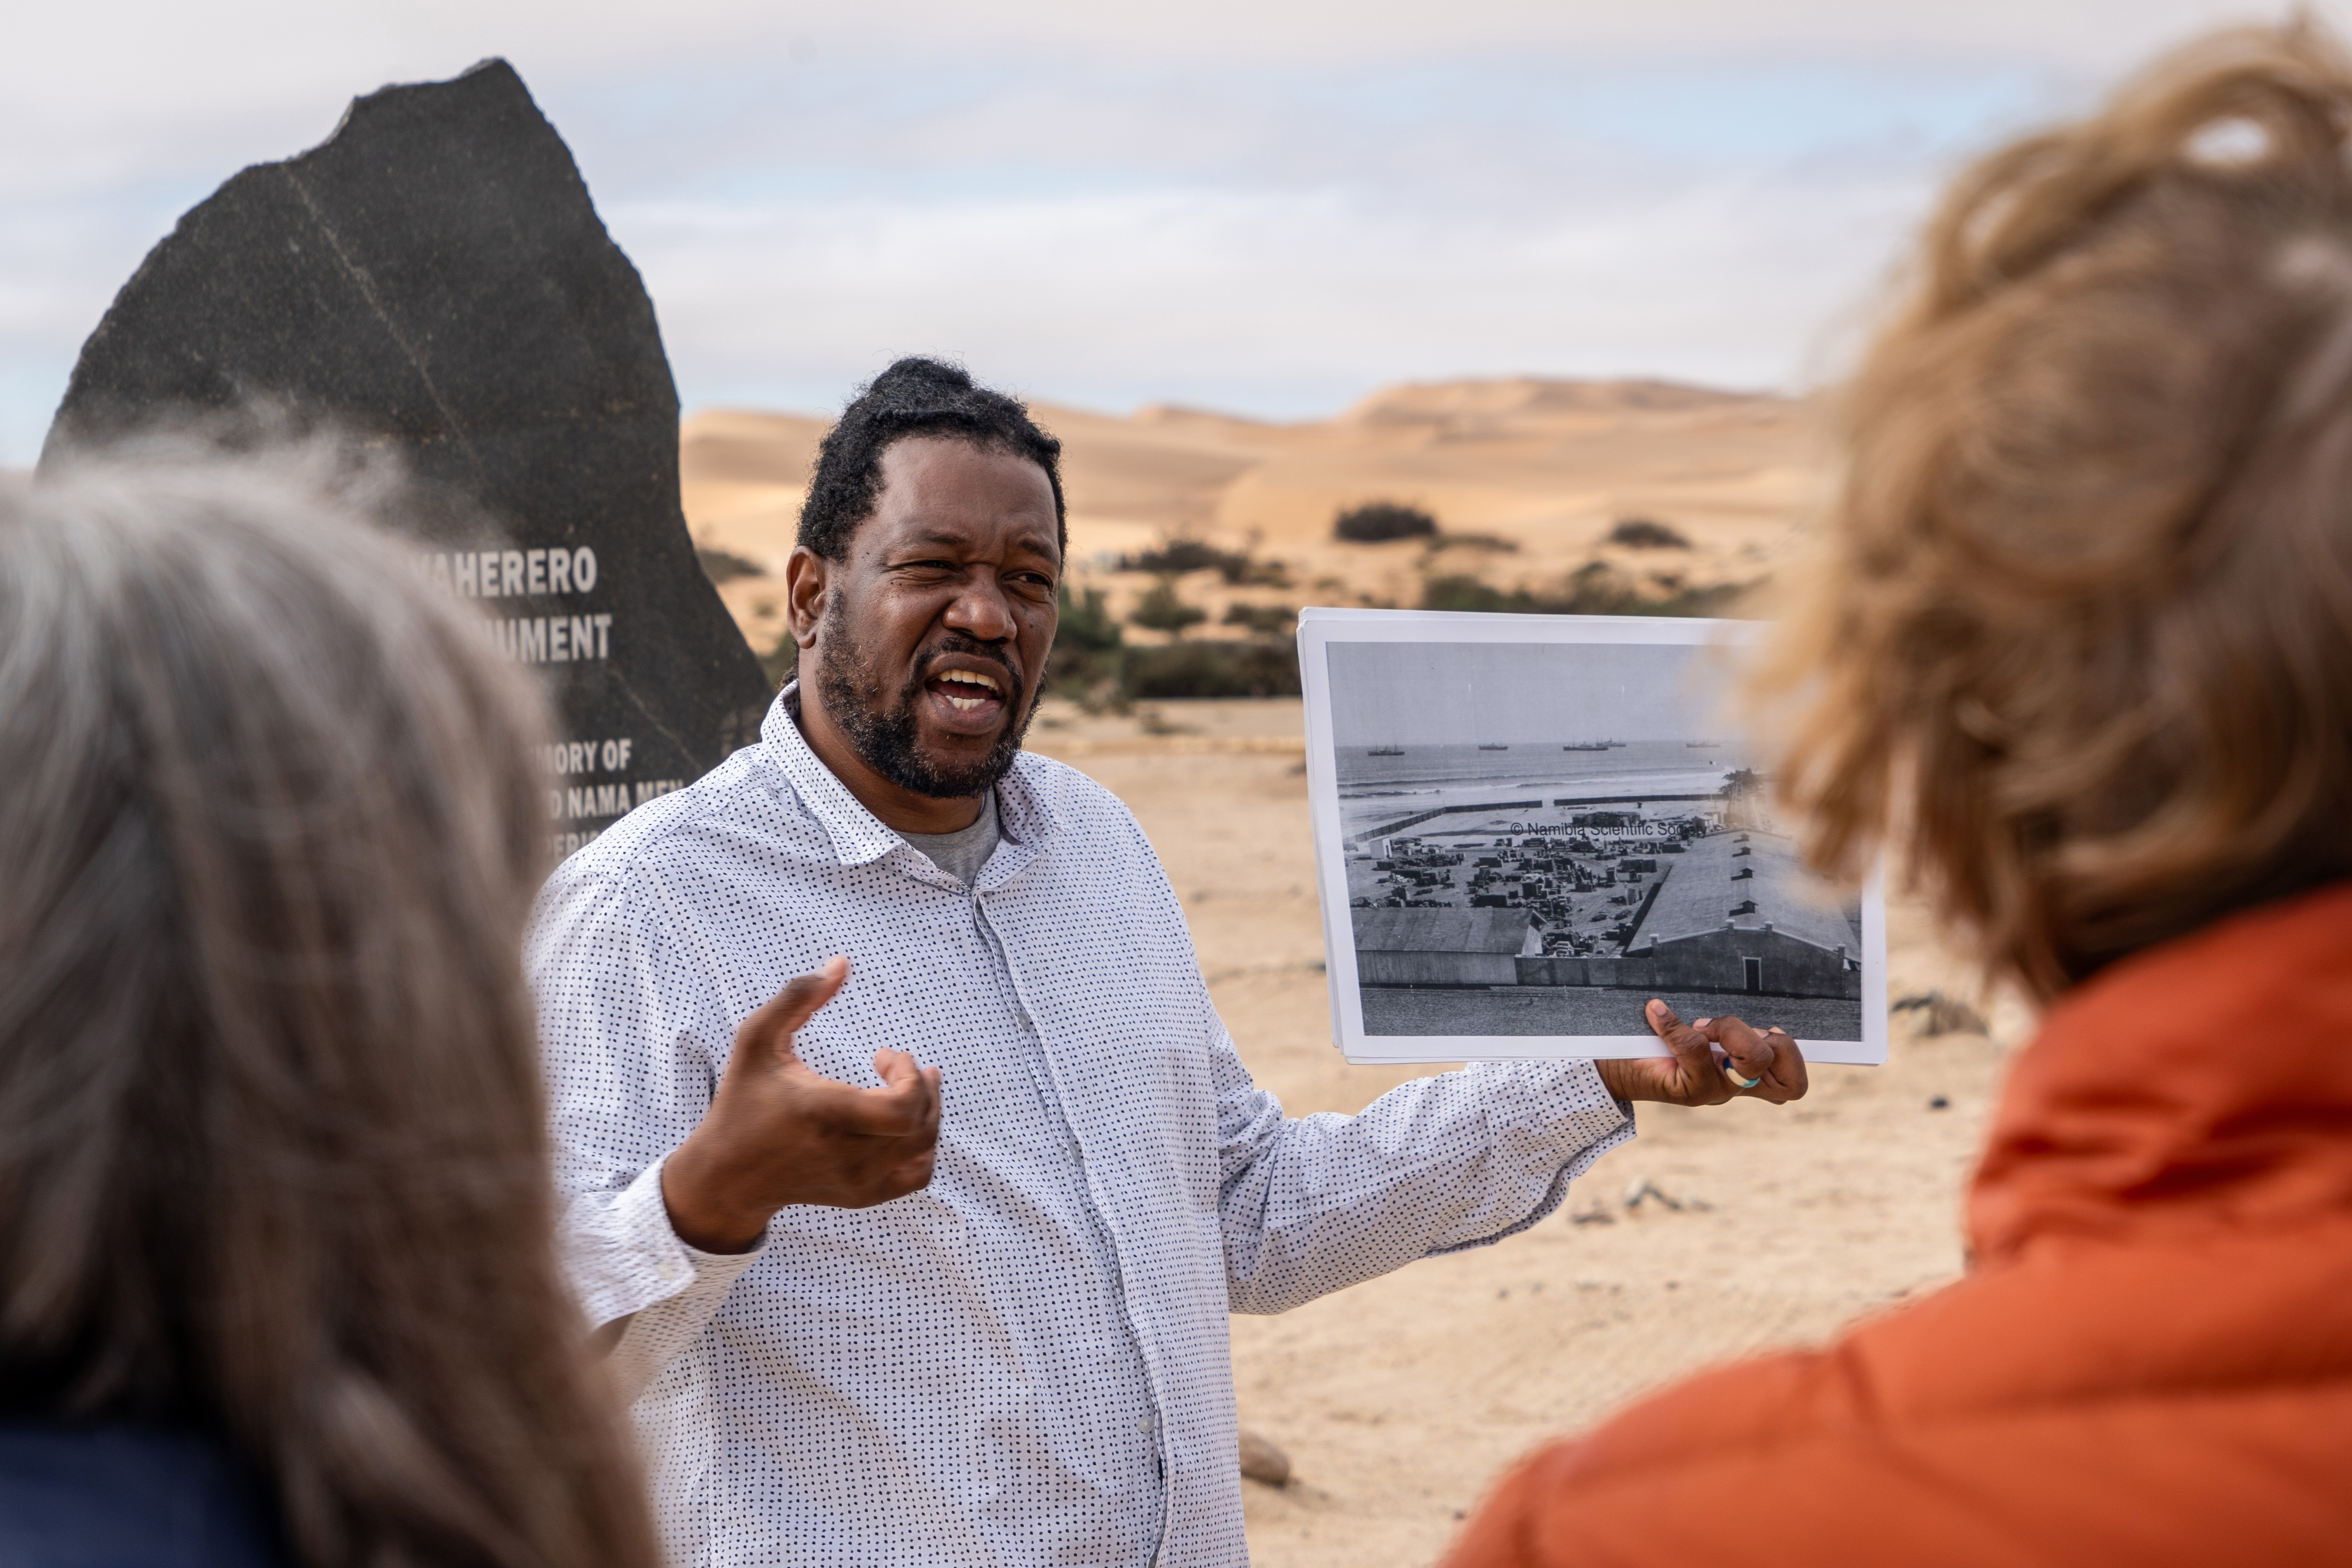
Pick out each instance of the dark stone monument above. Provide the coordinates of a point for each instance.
(435, 274)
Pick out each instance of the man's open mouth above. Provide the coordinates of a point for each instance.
(967, 692)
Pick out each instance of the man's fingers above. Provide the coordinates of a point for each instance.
(915, 1174)
(911, 1177)
(779, 1132)
(918, 1086)
(1751, 1051)
(898, 1069)
(1770, 1056)
(1702, 1082)
(1789, 1079)
(780, 1016)
(907, 1109)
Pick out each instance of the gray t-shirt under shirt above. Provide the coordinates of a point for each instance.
(962, 853)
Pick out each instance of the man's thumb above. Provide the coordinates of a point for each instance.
(1681, 1038)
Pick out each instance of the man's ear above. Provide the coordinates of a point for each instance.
(807, 577)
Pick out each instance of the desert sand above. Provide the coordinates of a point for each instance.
(1397, 1402)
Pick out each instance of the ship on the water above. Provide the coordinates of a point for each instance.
(1586, 746)
(1494, 748)
(1385, 751)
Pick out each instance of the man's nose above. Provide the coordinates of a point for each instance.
(981, 613)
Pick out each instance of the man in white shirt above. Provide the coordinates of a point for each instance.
(1024, 1360)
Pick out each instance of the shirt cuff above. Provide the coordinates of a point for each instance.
(625, 1258)
(1547, 1098)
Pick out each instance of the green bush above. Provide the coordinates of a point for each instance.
(1213, 669)
(1238, 568)
(1265, 620)
(1176, 556)
(1248, 572)
(1641, 533)
(1087, 624)
(1376, 522)
(1590, 592)
(1164, 610)
(1088, 645)
(1493, 543)
(1093, 664)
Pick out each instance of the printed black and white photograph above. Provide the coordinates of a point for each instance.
(1525, 841)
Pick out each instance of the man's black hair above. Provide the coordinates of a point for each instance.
(915, 397)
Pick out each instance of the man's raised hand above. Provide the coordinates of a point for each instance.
(778, 1133)
(1693, 1076)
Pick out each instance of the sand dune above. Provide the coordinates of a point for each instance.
(1543, 468)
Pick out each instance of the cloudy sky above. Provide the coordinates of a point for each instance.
(1271, 206)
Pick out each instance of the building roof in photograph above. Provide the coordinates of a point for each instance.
(1441, 931)
(1700, 893)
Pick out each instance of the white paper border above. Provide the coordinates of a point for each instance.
(1319, 627)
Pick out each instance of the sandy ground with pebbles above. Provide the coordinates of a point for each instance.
(1399, 1401)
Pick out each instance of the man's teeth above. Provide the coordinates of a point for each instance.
(968, 677)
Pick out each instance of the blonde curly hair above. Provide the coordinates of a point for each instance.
(2079, 653)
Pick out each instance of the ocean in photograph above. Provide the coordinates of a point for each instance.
(1626, 767)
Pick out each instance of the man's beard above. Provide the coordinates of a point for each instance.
(882, 729)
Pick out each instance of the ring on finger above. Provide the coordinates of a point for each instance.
(1733, 1073)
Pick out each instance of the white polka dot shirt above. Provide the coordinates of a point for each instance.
(1026, 1364)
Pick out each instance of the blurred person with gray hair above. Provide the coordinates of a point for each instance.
(277, 1276)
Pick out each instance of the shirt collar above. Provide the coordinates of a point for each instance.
(859, 838)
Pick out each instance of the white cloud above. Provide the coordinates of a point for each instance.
(1273, 204)
(1268, 302)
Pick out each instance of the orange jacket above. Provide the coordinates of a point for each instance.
(2150, 1362)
